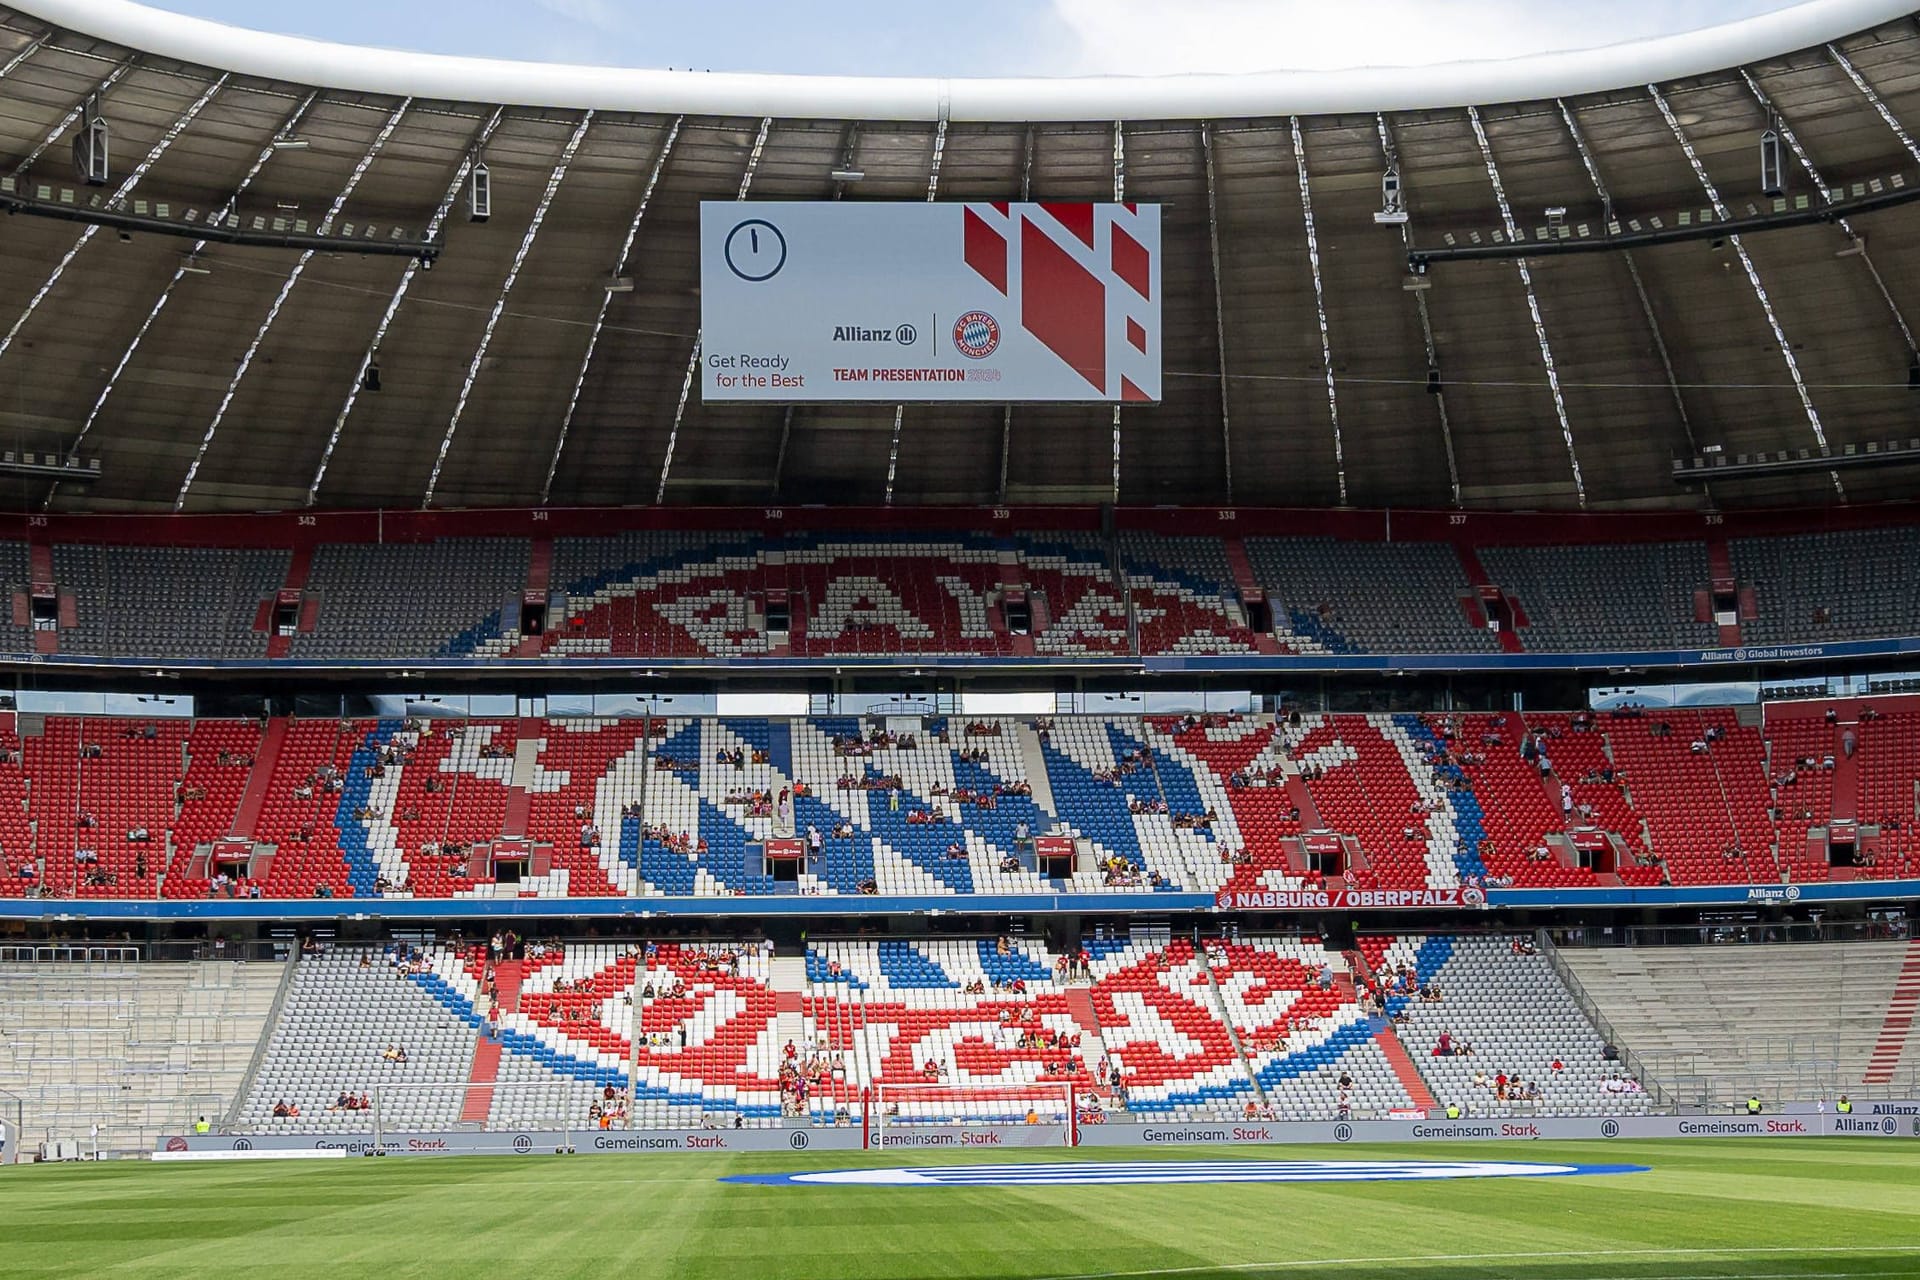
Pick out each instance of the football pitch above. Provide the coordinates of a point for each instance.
(1754, 1208)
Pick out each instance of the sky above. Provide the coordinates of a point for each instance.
(981, 37)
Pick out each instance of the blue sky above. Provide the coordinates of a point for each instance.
(980, 37)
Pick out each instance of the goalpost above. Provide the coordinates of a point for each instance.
(1043, 1113)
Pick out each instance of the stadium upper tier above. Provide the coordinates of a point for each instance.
(917, 807)
(717, 586)
(545, 357)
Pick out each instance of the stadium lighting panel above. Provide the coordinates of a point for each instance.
(1393, 210)
(479, 192)
(90, 147)
(1773, 172)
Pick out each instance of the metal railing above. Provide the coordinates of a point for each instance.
(1704, 1084)
(1889, 928)
(1658, 1096)
(261, 1042)
(1795, 1067)
(70, 953)
(84, 951)
(13, 1126)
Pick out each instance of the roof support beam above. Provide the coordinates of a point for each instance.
(27, 50)
(1119, 196)
(693, 360)
(933, 193)
(1006, 411)
(893, 451)
(1319, 302)
(1858, 241)
(399, 296)
(1872, 95)
(1753, 280)
(120, 193)
(280, 300)
(287, 126)
(1633, 271)
(1438, 389)
(849, 156)
(554, 179)
(606, 301)
(780, 458)
(1533, 306)
(849, 162)
(1219, 306)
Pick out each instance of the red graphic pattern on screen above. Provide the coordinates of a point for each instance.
(1076, 294)
(1077, 218)
(986, 249)
(1063, 305)
(1132, 263)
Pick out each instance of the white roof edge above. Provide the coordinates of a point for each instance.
(1175, 97)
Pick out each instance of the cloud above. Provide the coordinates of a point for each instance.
(1147, 37)
(602, 15)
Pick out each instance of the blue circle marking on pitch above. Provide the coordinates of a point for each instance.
(1109, 1173)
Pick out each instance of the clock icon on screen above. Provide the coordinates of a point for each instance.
(756, 250)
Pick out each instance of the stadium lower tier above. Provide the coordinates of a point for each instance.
(933, 806)
(1141, 1026)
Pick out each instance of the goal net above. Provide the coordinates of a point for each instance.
(1040, 1114)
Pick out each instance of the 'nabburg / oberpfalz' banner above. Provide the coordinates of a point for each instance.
(894, 302)
(1347, 899)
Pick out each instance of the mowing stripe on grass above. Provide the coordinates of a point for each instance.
(1406, 1259)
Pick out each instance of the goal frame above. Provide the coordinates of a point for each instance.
(1058, 1097)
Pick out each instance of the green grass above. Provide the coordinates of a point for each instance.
(1708, 1209)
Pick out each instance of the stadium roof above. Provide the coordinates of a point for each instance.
(234, 384)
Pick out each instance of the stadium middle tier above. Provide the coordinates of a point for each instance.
(1220, 805)
(1629, 584)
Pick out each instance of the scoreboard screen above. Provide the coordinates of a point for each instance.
(899, 302)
